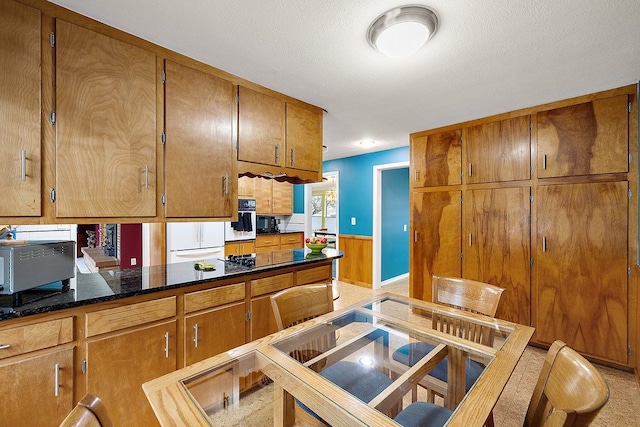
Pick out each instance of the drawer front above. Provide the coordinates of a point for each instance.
(291, 239)
(113, 319)
(195, 301)
(314, 275)
(268, 240)
(23, 339)
(271, 284)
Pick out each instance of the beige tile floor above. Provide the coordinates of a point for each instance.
(621, 409)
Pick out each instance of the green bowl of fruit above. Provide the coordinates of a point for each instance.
(316, 244)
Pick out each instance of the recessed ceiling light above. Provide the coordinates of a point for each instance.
(367, 142)
(402, 31)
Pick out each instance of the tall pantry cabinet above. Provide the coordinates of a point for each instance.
(539, 202)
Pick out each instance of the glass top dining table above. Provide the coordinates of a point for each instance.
(311, 367)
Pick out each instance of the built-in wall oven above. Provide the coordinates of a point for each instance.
(245, 227)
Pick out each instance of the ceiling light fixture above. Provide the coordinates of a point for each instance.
(367, 142)
(402, 31)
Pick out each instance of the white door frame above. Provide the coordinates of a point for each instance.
(377, 219)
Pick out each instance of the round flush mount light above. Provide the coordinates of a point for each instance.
(402, 31)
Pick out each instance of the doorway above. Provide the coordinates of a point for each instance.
(321, 211)
(399, 224)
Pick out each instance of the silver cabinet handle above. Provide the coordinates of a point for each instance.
(415, 236)
(195, 333)
(470, 239)
(23, 165)
(417, 175)
(146, 176)
(4, 346)
(166, 345)
(544, 244)
(226, 183)
(277, 154)
(293, 156)
(470, 169)
(56, 380)
(544, 161)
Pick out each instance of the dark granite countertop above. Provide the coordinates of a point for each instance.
(115, 284)
(278, 233)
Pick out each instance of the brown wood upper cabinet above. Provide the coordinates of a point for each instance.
(304, 138)
(20, 149)
(499, 151)
(273, 197)
(584, 139)
(200, 173)
(435, 159)
(245, 187)
(260, 128)
(105, 126)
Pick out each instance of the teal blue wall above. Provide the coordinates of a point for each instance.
(298, 199)
(356, 187)
(394, 216)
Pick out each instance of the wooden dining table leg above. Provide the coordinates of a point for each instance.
(283, 407)
(456, 377)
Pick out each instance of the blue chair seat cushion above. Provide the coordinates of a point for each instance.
(410, 354)
(423, 414)
(362, 381)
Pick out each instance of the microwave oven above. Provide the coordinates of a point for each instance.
(267, 224)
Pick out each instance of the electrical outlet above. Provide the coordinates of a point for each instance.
(405, 227)
(134, 261)
(353, 220)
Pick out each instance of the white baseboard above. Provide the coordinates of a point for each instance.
(395, 279)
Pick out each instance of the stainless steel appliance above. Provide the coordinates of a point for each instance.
(245, 227)
(26, 264)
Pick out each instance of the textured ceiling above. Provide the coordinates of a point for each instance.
(488, 56)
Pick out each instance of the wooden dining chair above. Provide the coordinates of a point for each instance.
(301, 303)
(463, 294)
(89, 412)
(570, 391)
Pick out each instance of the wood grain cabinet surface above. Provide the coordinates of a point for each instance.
(436, 159)
(273, 197)
(584, 139)
(200, 177)
(303, 138)
(105, 126)
(20, 131)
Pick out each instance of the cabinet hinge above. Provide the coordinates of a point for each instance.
(237, 99)
(461, 199)
(461, 255)
(629, 350)
(531, 262)
(163, 138)
(52, 39)
(248, 315)
(630, 194)
(163, 198)
(52, 195)
(461, 138)
(52, 118)
(629, 107)
(530, 124)
(531, 198)
(629, 271)
(84, 365)
(163, 76)
(630, 158)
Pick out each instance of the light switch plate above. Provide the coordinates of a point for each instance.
(353, 220)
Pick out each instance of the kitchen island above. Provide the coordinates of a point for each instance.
(117, 329)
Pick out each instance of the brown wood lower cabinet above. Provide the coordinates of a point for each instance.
(242, 247)
(118, 365)
(581, 268)
(28, 389)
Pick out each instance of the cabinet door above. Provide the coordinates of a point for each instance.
(105, 126)
(214, 332)
(247, 247)
(584, 139)
(497, 246)
(435, 159)
(245, 186)
(435, 249)
(199, 150)
(260, 128)
(263, 322)
(262, 192)
(28, 389)
(118, 365)
(20, 148)
(282, 198)
(304, 138)
(581, 248)
(499, 151)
